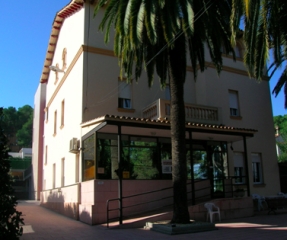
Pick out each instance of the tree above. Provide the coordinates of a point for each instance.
(24, 135)
(280, 122)
(158, 34)
(18, 124)
(10, 121)
(265, 32)
(10, 219)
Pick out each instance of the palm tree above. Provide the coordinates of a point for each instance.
(158, 34)
(265, 30)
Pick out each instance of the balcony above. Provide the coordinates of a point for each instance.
(160, 109)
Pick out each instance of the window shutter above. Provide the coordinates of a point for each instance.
(124, 90)
(233, 100)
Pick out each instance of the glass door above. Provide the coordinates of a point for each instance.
(218, 168)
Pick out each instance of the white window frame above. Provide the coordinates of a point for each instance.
(233, 103)
(257, 172)
(239, 168)
(125, 95)
(62, 113)
(55, 123)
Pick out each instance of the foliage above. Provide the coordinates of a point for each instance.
(24, 135)
(280, 122)
(10, 219)
(265, 29)
(19, 124)
(157, 35)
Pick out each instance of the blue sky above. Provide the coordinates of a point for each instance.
(25, 32)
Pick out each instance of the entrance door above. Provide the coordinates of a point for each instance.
(217, 168)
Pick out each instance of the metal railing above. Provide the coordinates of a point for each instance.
(160, 109)
(230, 189)
(197, 199)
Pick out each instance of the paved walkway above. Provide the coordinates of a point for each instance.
(41, 223)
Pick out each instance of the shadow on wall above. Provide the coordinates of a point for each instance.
(85, 217)
(56, 202)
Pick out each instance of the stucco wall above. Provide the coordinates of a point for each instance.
(37, 148)
(67, 89)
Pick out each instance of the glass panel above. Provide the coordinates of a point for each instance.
(256, 172)
(107, 156)
(89, 158)
(166, 160)
(142, 163)
(200, 165)
(239, 174)
(219, 167)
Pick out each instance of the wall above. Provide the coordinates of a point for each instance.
(67, 89)
(64, 200)
(95, 193)
(37, 148)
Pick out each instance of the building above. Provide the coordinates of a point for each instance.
(20, 171)
(38, 142)
(90, 114)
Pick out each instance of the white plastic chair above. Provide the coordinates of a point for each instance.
(211, 210)
(260, 200)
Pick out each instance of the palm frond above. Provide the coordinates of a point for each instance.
(280, 83)
(167, 23)
(262, 53)
(187, 16)
(136, 19)
(121, 17)
(251, 23)
(150, 21)
(139, 62)
(140, 22)
(236, 13)
(111, 10)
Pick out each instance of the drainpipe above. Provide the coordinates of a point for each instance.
(120, 175)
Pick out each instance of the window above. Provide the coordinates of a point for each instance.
(62, 113)
(256, 168)
(55, 123)
(167, 92)
(56, 74)
(124, 100)
(89, 158)
(54, 175)
(239, 169)
(63, 173)
(46, 110)
(64, 58)
(233, 103)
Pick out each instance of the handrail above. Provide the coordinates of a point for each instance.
(141, 203)
(231, 185)
(109, 210)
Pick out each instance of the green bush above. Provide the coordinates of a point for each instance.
(10, 218)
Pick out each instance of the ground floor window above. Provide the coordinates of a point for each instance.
(239, 168)
(150, 158)
(256, 168)
(89, 158)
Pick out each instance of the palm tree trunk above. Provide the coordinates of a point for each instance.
(176, 61)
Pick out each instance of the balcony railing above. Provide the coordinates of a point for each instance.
(160, 109)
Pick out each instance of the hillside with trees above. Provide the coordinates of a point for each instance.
(18, 126)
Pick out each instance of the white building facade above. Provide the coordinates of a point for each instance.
(90, 114)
